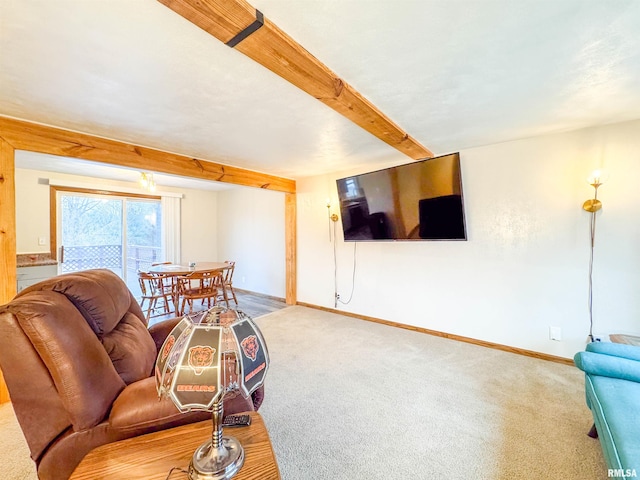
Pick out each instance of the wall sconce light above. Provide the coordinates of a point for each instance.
(147, 182)
(597, 178)
(332, 216)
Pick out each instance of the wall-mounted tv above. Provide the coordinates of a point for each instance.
(416, 201)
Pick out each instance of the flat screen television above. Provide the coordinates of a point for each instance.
(416, 201)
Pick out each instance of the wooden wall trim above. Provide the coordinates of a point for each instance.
(8, 258)
(290, 248)
(450, 336)
(4, 393)
(33, 137)
(99, 191)
(274, 49)
(53, 223)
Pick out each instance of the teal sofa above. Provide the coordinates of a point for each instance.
(612, 385)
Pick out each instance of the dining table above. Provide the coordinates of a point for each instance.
(173, 271)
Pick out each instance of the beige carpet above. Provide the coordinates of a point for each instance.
(349, 399)
(14, 453)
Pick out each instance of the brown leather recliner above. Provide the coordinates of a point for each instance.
(77, 358)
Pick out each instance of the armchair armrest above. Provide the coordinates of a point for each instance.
(160, 330)
(615, 349)
(608, 366)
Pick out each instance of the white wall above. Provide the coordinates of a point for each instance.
(199, 226)
(198, 210)
(251, 232)
(32, 211)
(242, 224)
(525, 264)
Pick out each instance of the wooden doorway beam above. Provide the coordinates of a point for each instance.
(33, 137)
(291, 255)
(21, 135)
(228, 20)
(8, 261)
(8, 285)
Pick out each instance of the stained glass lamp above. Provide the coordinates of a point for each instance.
(209, 356)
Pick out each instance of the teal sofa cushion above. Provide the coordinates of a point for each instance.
(608, 366)
(612, 387)
(615, 349)
(615, 405)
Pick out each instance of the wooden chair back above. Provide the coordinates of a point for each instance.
(228, 280)
(153, 290)
(228, 272)
(198, 286)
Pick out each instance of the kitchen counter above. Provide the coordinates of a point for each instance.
(35, 260)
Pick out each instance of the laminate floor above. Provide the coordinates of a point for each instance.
(253, 304)
(256, 305)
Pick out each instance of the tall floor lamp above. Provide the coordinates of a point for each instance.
(596, 179)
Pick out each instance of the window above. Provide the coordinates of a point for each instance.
(115, 231)
(353, 189)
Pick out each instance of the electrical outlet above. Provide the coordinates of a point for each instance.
(555, 333)
(42, 240)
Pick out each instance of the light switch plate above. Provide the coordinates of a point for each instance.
(555, 333)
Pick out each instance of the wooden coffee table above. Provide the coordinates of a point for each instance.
(152, 456)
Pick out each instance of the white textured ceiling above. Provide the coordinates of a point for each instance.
(452, 73)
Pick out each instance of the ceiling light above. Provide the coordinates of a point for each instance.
(147, 182)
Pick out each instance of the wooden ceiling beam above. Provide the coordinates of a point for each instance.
(274, 49)
(33, 137)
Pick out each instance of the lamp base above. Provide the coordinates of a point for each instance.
(592, 205)
(210, 463)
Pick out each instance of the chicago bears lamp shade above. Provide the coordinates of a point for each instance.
(209, 356)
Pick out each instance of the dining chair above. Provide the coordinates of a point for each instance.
(153, 290)
(168, 282)
(221, 295)
(228, 279)
(197, 286)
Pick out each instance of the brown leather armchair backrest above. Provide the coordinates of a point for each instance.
(68, 347)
